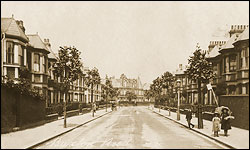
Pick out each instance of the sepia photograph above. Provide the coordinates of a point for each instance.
(124, 74)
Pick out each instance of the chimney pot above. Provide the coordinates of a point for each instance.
(180, 66)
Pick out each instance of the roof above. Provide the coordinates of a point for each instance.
(36, 42)
(229, 43)
(9, 26)
(244, 35)
(103, 81)
(118, 82)
(214, 52)
(146, 86)
(179, 71)
(51, 55)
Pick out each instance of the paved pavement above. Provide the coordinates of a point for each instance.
(131, 127)
(29, 137)
(238, 138)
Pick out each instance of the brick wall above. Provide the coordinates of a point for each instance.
(20, 110)
(239, 105)
(8, 110)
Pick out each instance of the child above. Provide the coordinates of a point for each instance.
(216, 124)
(225, 120)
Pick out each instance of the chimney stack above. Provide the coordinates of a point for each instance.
(20, 24)
(46, 42)
(214, 43)
(237, 29)
(180, 66)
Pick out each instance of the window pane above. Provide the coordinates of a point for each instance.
(20, 55)
(37, 78)
(10, 52)
(232, 63)
(11, 73)
(36, 58)
(36, 62)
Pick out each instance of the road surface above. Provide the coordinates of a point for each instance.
(131, 127)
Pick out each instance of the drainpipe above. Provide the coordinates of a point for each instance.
(2, 52)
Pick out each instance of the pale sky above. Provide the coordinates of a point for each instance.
(139, 38)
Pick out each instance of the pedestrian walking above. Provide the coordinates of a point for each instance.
(216, 124)
(225, 120)
(112, 106)
(189, 118)
(94, 107)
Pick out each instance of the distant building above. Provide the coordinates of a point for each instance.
(125, 84)
(191, 91)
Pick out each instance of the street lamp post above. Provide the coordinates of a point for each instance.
(106, 101)
(65, 106)
(178, 82)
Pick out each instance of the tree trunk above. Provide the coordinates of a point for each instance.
(92, 99)
(106, 103)
(200, 121)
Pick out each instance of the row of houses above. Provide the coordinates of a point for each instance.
(20, 50)
(230, 61)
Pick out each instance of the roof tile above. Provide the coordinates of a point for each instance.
(36, 42)
(10, 27)
(244, 35)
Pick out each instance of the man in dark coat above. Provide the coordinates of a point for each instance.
(189, 117)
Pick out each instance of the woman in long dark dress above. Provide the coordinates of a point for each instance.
(225, 121)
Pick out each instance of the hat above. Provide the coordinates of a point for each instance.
(225, 108)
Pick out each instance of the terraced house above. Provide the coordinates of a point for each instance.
(14, 44)
(230, 61)
(30, 51)
(38, 63)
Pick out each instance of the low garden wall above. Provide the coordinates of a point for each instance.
(19, 110)
(239, 105)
